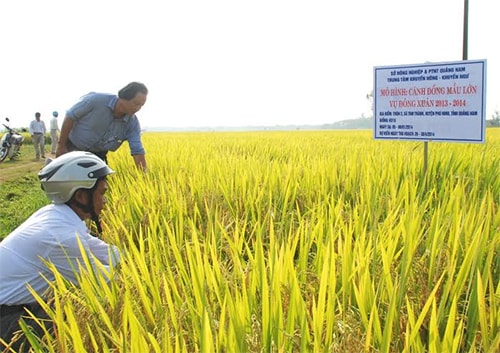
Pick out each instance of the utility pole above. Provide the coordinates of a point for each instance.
(466, 30)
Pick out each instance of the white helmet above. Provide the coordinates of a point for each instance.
(75, 170)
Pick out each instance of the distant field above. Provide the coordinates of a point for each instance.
(317, 241)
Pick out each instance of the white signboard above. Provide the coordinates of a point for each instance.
(431, 102)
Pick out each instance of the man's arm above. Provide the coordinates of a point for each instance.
(31, 128)
(63, 137)
(140, 161)
(72, 253)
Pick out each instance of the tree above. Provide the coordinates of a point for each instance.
(369, 97)
(495, 119)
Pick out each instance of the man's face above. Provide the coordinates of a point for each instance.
(99, 197)
(136, 103)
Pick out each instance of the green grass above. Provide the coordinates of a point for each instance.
(20, 192)
(19, 198)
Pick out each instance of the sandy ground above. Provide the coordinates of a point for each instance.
(10, 170)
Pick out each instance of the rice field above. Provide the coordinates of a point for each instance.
(299, 241)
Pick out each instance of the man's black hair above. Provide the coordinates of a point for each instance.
(130, 91)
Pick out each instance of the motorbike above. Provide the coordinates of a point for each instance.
(11, 143)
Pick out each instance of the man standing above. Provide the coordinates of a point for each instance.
(101, 122)
(54, 132)
(56, 234)
(37, 132)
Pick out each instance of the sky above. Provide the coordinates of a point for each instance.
(230, 62)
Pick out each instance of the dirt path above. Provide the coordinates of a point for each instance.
(10, 170)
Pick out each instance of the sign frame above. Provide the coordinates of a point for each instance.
(443, 101)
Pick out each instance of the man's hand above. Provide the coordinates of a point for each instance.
(140, 161)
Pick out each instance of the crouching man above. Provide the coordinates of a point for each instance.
(76, 184)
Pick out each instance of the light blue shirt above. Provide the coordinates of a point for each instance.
(52, 234)
(95, 129)
(37, 127)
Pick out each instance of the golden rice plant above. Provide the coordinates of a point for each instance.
(303, 241)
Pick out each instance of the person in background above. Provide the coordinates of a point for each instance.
(101, 122)
(54, 132)
(76, 184)
(37, 132)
